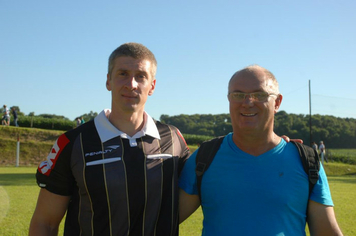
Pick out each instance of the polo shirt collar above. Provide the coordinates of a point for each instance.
(107, 131)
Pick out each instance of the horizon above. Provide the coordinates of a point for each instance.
(288, 113)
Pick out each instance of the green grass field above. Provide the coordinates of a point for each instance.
(18, 196)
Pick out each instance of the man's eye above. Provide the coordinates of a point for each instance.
(241, 95)
(238, 95)
(260, 96)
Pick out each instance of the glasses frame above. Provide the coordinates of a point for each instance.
(252, 96)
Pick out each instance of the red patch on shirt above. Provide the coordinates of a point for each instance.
(180, 135)
(46, 166)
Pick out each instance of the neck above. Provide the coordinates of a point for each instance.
(256, 144)
(127, 123)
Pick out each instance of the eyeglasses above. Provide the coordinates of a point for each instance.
(255, 97)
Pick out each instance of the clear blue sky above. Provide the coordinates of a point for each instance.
(53, 54)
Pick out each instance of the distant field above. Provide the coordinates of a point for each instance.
(342, 155)
(18, 196)
(344, 152)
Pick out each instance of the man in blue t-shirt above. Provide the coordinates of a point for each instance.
(256, 184)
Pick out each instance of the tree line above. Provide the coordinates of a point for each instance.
(47, 121)
(334, 131)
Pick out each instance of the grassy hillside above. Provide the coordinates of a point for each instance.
(35, 145)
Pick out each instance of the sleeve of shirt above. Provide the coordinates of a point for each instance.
(187, 179)
(321, 191)
(54, 174)
(184, 154)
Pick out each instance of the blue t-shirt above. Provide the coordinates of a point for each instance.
(248, 195)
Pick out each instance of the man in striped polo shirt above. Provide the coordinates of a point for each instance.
(117, 174)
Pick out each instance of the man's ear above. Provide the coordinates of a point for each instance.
(278, 103)
(108, 79)
(153, 86)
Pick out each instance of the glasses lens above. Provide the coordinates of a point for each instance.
(260, 96)
(256, 97)
(237, 96)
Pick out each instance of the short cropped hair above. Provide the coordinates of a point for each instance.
(134, 50)
(253, 69)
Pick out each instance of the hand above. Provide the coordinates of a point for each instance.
(287, 139)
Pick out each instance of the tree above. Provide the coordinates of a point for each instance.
(89, 116)
(335, 132)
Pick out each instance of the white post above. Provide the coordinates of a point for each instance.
(18, 150)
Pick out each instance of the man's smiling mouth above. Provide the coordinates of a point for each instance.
(248, 114)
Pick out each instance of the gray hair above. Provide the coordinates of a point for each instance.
(253, 69)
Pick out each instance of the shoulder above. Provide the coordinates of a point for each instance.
(306, 153)
(161, 125)
(86, 128)
(162, 128)
(66, 142)
(171, 134)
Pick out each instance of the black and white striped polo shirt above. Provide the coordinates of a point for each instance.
(118, 185)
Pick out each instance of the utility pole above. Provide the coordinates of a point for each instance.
(310, 116)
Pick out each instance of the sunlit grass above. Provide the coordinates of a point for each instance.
(18, 196)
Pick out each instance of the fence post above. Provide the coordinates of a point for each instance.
(18, 150)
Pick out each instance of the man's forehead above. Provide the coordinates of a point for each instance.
(131, 62)
(255, 73)
(129, 59)
(250, 78)
(254, 81)
(136, 64)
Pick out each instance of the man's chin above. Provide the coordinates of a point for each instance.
(131, 108)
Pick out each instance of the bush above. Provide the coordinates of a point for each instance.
(46, 123)
(334, 156)
(193, 139)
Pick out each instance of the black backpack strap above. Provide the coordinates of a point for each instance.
(311, 163)
(205, 156)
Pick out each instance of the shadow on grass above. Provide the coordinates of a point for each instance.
(346, 179)
(352, 174)
(17, 179)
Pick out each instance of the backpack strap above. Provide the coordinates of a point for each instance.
(208, 149)
(311, 163)
(205, 156)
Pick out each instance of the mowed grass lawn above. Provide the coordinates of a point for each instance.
(18, 196)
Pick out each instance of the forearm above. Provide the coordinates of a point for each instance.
(187, 205)
(39, 229)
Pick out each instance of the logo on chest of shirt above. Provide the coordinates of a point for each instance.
(103, 160)
(108, 149)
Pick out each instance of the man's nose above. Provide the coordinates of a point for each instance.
(248, 100)
(132, 82)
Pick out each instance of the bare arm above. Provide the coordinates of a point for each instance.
(188, 204)
(322, 221)
(48, 214)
